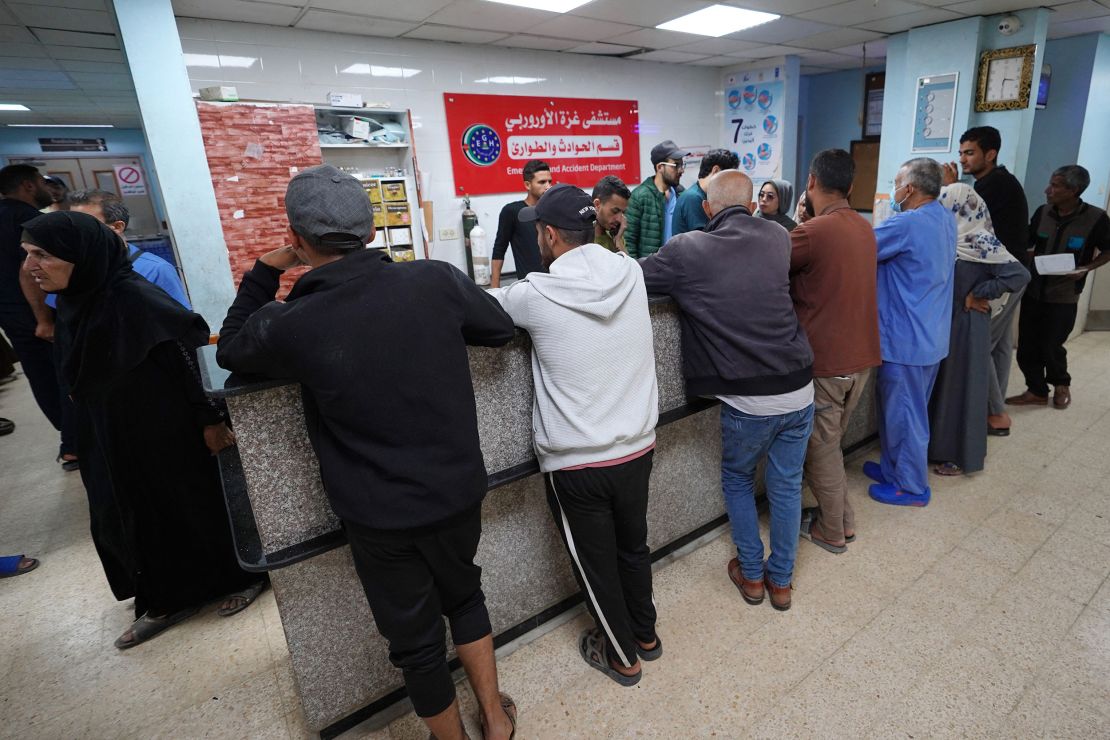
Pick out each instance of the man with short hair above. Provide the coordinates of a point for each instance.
(588, 320)
(411, 511)
(611, 201)
(742, 343)
(1064, 225)
(24, 316)
(916, 279)
(689, 213)
(652, 205)
(1009, 212)
(510, 230)
(833, 283)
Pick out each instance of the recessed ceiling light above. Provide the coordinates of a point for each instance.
(511, 80)
(718, 20)
(60, 125)
(218, 60)
(377, 71)
(555, 6)
(13, 106)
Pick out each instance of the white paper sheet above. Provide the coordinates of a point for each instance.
(1054, 264)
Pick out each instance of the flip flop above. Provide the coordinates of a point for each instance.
(68, 465)
(948, 468)
(654, 654)
(7, 426)
(591, 646)
(998, 431)
(146, 627)
(509, 707)
(9, 565)
(242, 598)
(809, 516)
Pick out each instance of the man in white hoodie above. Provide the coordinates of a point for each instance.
(589, 323)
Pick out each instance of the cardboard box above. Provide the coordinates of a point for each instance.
(373, 190)
(394, 190)
(400, 236)
(402, 254)
(397, 214)
(379, 215)
(354, 126)
(223, 94)
(344, 100)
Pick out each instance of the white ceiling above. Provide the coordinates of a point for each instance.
(62, 58)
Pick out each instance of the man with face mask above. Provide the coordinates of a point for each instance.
(917, 267)
(24, 316)
(833, 284)
(652, 206)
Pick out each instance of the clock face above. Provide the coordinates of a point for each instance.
(1004, 79)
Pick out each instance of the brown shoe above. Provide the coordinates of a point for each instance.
(780, 595)
(1062, 398)
(1029, 398)
(752, 591)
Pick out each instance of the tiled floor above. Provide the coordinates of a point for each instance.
(986, 614)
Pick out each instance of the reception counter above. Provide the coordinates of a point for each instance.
(283, 524)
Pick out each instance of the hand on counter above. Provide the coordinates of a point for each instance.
(282, 258)
(218, 437)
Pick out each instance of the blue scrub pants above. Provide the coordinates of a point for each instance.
(903, 398)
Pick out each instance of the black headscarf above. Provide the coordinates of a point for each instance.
(109, 316)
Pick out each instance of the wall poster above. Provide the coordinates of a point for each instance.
(583, 139)
(754, 103)
(933, 113)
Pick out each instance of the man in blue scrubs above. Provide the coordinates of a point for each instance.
(917, 259)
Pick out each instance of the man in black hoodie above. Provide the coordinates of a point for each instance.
(380, 352)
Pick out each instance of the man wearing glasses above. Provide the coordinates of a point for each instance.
(651, 208)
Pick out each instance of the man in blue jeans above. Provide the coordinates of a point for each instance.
(742, 343)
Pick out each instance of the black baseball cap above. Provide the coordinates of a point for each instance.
(564, 207)
(665, 150)
(330, 207)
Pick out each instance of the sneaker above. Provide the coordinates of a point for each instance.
(887, 493)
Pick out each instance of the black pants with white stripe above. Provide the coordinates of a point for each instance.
(601, 514)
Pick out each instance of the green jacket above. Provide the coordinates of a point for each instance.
(644, 233)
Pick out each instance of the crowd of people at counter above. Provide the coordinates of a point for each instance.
(786, 320)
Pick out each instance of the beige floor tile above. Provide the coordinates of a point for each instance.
(1070, 580)
(1045, 712)
(999, 549)
(1090, 524)
(1020, 526)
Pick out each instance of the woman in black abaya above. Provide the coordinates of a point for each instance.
(127, 350)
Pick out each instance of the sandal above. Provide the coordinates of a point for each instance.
(948, 468)
(7, 426)
(654, 654)
(809, 518)
(242, 599)
(591, 646)
(68, 465)
(509, 707)
(9, 565)
(147, 627)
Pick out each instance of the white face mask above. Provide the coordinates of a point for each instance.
(896, 205)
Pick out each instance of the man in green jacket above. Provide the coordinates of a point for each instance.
(652, 205)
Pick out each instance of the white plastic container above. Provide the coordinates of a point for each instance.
(479, 250)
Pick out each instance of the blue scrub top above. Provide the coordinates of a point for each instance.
(668, 215)
(917, 270)
(156, 270)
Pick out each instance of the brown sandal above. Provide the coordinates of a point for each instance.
(509, 707)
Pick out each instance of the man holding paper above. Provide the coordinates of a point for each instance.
(1068, 239)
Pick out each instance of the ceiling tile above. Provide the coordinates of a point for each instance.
(900, 23)
(409, 10)
(322, 20)
(665, 55)
(81, 65)
(545, 43)
(490, 16)
(828, 59)
(1077, 11)
(78, 52)
(38, 61)
(783, 7)
(808, 69)
(16, 35)
(874, 49)
(723, 47)
(988, 7)
(75, 38)
(433, 32)
(858, 11)
(600, 48)
(1079, 28)
(237, 10)
(82, 4)
(654, 38)
(68, 19)
(21, 50)
(720, 61)
(782, 30)
(648, 13)
(774, 50)
(837, 37)
(583, 29)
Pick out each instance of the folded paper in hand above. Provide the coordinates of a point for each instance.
(1054, 264)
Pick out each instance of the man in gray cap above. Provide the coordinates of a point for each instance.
(399, 455)
(651, 208)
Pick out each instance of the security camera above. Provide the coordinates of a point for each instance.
(1009, 25)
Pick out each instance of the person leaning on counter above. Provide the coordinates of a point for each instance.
(380, 352)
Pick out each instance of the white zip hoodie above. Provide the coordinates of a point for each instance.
(593, 359)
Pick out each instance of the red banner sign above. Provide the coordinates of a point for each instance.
(493, 136)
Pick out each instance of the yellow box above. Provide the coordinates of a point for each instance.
(379, 215)
(373, 190)
(394, 191)
(397, 214)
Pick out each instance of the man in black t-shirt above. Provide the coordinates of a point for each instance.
(522, 236)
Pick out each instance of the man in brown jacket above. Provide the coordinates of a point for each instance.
(832, 282)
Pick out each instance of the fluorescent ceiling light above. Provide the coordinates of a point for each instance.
(218, 60)
(554, 6)
(60, 125)
(718, 20)
(511, 80)
(377, 71)
(13, 106)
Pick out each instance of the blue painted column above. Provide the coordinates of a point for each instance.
(153, 49)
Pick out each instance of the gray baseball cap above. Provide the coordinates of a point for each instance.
(330, 208)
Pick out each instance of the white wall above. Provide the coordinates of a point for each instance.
(676, 102)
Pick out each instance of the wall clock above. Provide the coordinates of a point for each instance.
(1005, 78)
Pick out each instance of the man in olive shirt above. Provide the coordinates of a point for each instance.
(611, 201)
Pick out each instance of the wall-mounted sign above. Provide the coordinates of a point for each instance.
(73, 145)
(935, 110)
(582, 139)
(754, 104)
(130, 179)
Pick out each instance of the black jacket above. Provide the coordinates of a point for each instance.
(380, 352)
(1005, 199)
(740, 334)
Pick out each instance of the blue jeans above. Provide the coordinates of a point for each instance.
(745, 440)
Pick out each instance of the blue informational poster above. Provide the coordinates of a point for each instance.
(754, 103)
(933, 113)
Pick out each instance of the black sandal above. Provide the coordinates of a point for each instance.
(654, 654)
(242, 599)
(591, 646)
(68, 465)
(147, 627)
